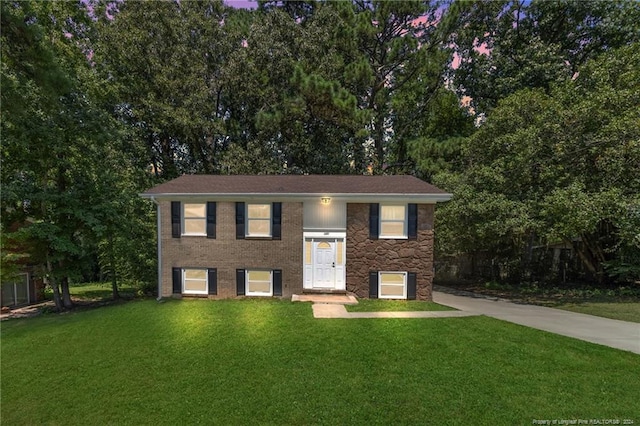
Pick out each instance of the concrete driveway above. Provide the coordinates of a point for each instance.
(616, 334)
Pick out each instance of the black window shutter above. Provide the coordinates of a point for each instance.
(277, 282)
(374, 220)
(373, 284)
(211, 219)
(412, 229)
(276, 221)
(177, 280)
(175, 219)
(240, 221)
(411, 285)
(240, 282)
(213, 281)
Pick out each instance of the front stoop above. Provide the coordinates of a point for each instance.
(336, 299)
(322, 291)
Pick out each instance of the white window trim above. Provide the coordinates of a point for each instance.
(404, 292)
(247, 219)
(246, 283)
(206, 280)
(183, 219)
(404, 225)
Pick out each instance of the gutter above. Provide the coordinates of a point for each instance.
(349, 197)
(158, 215)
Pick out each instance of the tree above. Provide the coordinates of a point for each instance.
(403, 58)
(288, 98)
(50, 134)
(437, 146)
(163, 61)
(556, 167)
(63, 171)
(506, 46)
(362, 73)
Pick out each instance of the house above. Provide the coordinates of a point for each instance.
(22, 288)
(21, 284)
(279, 235)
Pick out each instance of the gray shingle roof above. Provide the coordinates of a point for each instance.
(294, 184)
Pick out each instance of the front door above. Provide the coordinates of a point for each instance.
(324, 259)
(324, 264)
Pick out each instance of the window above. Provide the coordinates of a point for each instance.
(392, 285)
(194, 281)
(307, 252)
(259, 283)
(194, 219)
(258, 220)
(393, 221)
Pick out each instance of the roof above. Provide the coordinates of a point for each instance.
(297, 185)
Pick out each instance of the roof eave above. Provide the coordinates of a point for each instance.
(354, 197)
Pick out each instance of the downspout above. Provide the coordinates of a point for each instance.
(158, 215)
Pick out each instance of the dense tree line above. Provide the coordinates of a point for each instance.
(101, 100)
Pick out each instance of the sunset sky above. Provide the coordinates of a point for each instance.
(243, 4)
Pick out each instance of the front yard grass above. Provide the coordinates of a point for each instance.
(270, 362)
(620, 311)
(100, 290)
(616, 303)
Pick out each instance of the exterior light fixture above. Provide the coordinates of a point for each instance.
(325, 201)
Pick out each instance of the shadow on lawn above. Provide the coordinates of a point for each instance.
(545, 296)
(84, 296)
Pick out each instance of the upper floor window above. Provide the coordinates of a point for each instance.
(393, 221)
(258, 220)
(194, 217)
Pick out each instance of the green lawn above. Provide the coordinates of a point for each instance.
(99, 290)
(378, 305)
(270, 362)
(619, 303)
(620, 311)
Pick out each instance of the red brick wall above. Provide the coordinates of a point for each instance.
(228, 254)
(364, 254)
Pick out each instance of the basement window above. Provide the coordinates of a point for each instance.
(259, 283)
(392, 285)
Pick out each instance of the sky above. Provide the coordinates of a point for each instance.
(242, 4)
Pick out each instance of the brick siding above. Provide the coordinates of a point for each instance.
(227, 254)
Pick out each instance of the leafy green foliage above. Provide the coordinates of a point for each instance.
(437, 147)
(65, 176)
(506, 46)
(102, 100)
(558, 167)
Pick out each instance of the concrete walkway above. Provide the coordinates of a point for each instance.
(332, 306)
(329, 310)
(604, 331)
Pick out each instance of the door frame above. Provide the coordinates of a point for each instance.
(308, 238)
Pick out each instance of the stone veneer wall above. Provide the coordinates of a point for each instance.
(228, 254)
(364, 254)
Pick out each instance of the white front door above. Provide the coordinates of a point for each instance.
(324, 261)
(324, 264)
